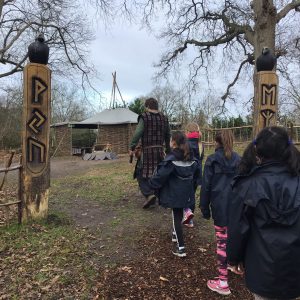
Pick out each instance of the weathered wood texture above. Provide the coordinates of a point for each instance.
(35, 140)
(266, 100)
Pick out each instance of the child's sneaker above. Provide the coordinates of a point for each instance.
(187, 216)
(174, 237)
(215, 286)
(180, 252)
(189, 224)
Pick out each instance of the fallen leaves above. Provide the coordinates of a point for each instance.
(163, 279)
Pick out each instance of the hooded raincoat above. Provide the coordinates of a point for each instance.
(216, 186)
(175, 181)
(264, 230)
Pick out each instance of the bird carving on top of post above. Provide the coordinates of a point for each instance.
(38, 51)
(266, 61)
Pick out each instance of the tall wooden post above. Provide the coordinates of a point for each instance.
(265, 100)
(35, 144)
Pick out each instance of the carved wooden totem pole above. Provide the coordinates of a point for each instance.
(266, 92)
(36, 131)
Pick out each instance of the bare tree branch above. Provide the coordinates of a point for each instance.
(284, 11)
(18, 67)
(15, 38)
(227, 93)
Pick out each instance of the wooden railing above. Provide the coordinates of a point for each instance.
(9, 168)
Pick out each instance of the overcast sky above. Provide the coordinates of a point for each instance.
(130, 52)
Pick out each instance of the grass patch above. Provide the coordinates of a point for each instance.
(104, 184)
(45, 256)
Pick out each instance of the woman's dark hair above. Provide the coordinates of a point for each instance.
(248, 160)
(225, 139)
(273, 143)
(180, 139)
(151, 103)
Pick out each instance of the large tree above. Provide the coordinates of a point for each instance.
(66, 25)
(68, 104)
(225, 34)
(170, 100)
(10, 116)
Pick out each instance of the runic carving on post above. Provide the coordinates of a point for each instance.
(36, 131)
(266, 97)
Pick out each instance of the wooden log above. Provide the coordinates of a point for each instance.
(266, 100)
(17, 167)
(10, 203)
(35, 141)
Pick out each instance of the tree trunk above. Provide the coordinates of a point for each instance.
(264, 36)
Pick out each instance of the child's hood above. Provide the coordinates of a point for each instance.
(183, 169)
(193, 135)
(176, 154)
(277, 191)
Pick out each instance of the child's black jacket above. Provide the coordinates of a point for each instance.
(194, 147)
(264, 230)
(216, 186)
(175, 181)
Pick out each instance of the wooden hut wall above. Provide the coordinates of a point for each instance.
(119, 136)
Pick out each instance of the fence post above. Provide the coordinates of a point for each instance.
(265, 97)
(20, 191)
(36, 134)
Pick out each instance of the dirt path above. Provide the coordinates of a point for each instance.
(132, 246)
(74, 165)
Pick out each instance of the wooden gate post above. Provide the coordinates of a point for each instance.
(265, 100)
(35, 140)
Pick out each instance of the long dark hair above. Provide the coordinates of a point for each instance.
(248, 160)
(272, 143)
(225, 139)
(180, 139)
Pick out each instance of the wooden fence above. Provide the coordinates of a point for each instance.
(8, 168)
(243, 134)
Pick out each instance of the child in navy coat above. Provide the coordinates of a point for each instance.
(264, 224)
(219, 170)
(175, 181)
(193, 135)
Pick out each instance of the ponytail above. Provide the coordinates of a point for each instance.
(186, 151)
(180, 139)
(225, 139)
(291, 156)
(248, 160)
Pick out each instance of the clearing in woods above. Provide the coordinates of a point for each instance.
(98, 243)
